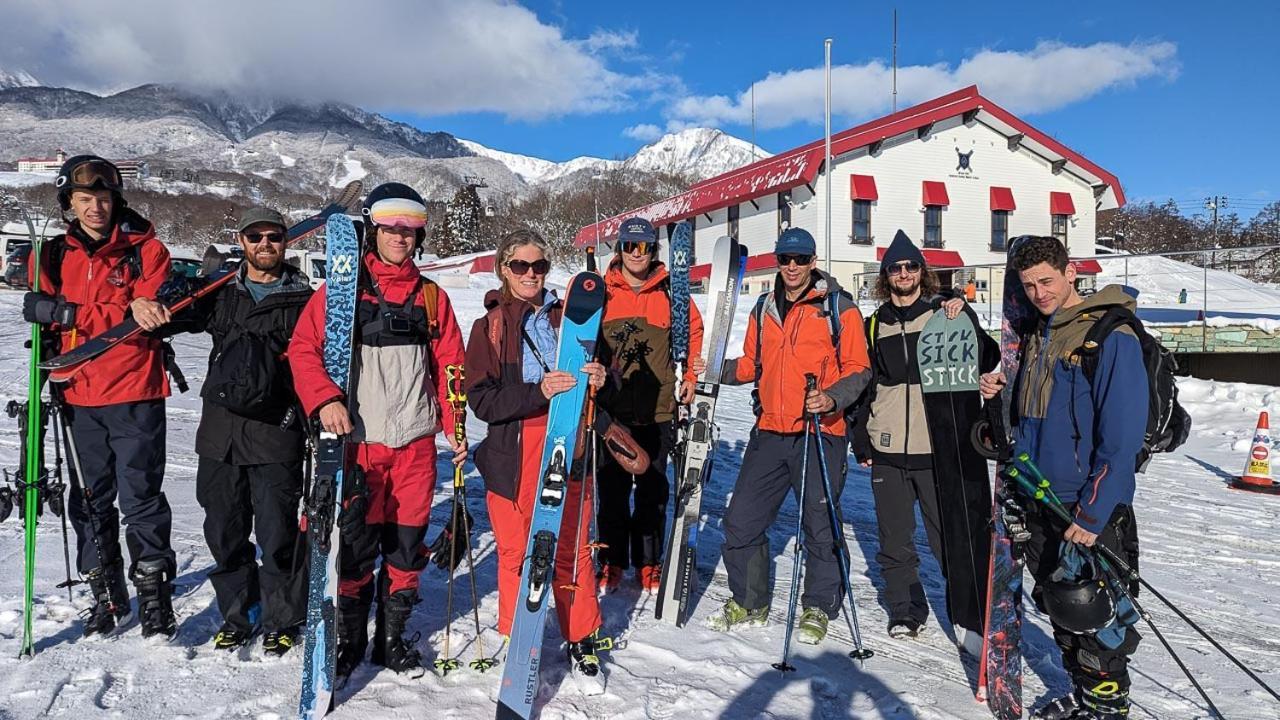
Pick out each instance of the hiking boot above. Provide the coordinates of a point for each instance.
(278, 642)
(811, 629)
(583, 654)
(353, 630)
(231, 637)
(110, 600)
(904, 627)
(154, 582)
(734, 615)
(390, 648)
(610, 578)
(1063, 708)
(650, 577)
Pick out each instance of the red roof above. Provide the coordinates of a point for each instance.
(801, 165)
(1087, 267)
(483, 264)
(937, 259)
(763, 261)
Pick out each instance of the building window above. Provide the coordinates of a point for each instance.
(693, 240)
(933, 226)
(999, 230)
(733, 221)
(861, 222)
(1059, 226)
(784, 210)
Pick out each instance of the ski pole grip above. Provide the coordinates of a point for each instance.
(810, 381)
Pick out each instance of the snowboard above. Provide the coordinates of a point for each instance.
(216, 273)
(680, 569)
(322, 503)
(1000, 669)
(579, 330)
(948, 354)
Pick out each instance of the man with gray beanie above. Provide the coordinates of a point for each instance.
(251, 440)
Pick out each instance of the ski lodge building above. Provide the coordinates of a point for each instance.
(959, 174)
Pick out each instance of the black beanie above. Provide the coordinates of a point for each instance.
(899, 250)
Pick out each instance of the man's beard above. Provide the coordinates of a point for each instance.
(252, 259)
(904, 292)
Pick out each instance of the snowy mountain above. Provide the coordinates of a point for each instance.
(699, 152)
(16, 78)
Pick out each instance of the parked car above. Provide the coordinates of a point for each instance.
(184, 267)
(15, 266)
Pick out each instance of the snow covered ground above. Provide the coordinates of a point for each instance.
(1212, 550)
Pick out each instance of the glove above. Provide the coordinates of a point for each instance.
(356, 504)
(448, 549)
(45, 309)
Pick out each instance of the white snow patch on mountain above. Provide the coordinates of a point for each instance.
(17, 78)
(354, 171)
(536, 171)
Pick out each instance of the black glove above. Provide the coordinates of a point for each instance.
(449, 548)
(45, 309)
(355, 505)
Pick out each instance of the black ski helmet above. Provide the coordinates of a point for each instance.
(88, 172)
(411, 211)
(1083, 605)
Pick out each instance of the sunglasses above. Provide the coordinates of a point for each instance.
(257, 237)
(641, 246)
(786, 259)
(903, 268)
(520, 267)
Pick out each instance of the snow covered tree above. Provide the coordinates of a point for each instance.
(460, 232)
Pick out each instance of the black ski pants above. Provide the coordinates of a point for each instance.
(634, 534)
(264, 499)
(122, 451)
(896, 492)
(771, 470)
(1083, 657)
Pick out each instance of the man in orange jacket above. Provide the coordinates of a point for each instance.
(791, 338)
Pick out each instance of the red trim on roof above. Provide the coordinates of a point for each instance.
(484, 263)
(755, 263)
(934, 193)
(1060, 203)
(1002, 198)
(1087, 267)
(801, 165)
(863, 187)
(937, 259)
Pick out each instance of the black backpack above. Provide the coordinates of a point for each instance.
(1168, 423)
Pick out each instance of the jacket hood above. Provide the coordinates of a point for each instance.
(613, 276)
(1106, 297)
(130, 229)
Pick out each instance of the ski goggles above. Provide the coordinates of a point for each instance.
(520, 267)
(909, 267)
(92, 175)
(785, 259)
(644, 247)
(398, 212)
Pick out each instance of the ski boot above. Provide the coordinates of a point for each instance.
(230, 637)
(811, 629)
(278, 642)
(904, 628)
(390, 648)
(734, 615)
(154, 582)
(110, 600)
(353, 630)
(583, 654)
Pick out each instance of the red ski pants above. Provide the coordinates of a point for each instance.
(401, 482)
(578, 611)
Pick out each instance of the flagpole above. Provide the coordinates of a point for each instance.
(826, 162)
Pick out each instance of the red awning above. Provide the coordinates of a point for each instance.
(1087, 267)
(863, 187)
(937, 259)
(935, 193)
(1002, 198)
(1060, 204)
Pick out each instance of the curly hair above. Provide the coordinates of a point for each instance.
(929, 284)
(507, 247)
(1033, 250)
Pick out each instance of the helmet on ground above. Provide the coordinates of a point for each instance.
(87, 172)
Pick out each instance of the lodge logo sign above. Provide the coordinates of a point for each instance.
(964, 166)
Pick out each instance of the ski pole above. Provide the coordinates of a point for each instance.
(797, 559)
(837, 534)
(1040, 491)
(590, 436)
(52, 411)
(77, 477)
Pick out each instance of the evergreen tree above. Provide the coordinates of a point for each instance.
(459, 233)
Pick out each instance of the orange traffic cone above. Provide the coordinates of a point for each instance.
(1257, 469)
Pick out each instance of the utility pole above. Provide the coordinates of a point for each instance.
(1213, 203)
(895, 59)
(826, 161)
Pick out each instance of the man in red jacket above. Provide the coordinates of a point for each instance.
(107, 266)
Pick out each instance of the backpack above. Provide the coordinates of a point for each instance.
(832, 306)
(1168, 423)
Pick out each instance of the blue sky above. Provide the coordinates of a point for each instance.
(1203, 124)
(1178, 99)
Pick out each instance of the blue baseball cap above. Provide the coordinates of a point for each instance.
(795, 241)
(636, 229)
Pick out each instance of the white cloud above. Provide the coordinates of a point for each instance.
(425, 56)
(1049, 76)
(643, 132)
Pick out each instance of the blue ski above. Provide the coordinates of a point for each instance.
(321, 506)
(579, 329)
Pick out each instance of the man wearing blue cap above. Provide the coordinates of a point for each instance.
(792, 334)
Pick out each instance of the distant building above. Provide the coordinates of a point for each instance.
(42, 166)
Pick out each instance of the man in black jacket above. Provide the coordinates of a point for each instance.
(251, 441)
(918, 456)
